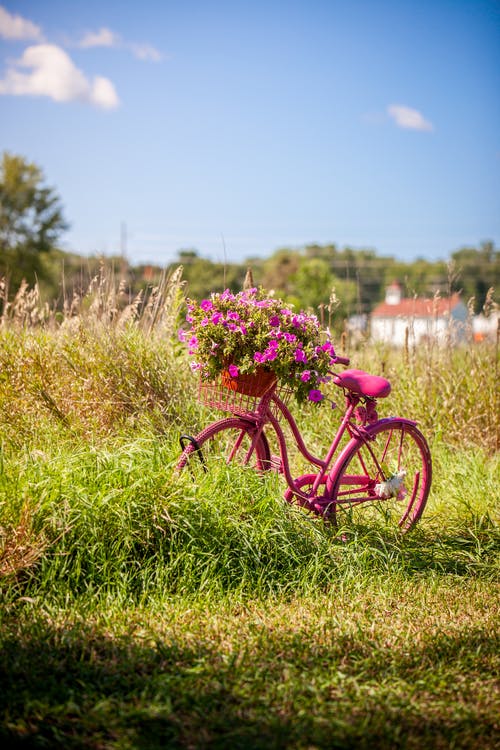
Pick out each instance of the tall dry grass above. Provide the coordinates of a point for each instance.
(103, 363)
(106, 362)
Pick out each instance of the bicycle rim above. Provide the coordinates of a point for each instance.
(229, 441)
(385, 479)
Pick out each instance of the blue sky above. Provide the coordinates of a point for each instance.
(236, 128)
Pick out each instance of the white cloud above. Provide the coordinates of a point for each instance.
(408, 118)
(52, 73)
(106, 38)
(103, 93)
(102, 38)
(146, 52)
(17, 27)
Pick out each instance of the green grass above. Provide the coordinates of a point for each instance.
(141, 610)
(405, 665)
(160, 614)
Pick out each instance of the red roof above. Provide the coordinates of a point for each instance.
(418, 308)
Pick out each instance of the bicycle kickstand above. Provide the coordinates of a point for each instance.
(188, 438)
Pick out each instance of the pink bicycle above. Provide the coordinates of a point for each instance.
(383, 466)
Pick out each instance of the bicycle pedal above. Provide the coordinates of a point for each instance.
(276, 464)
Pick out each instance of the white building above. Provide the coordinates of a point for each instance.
(484, 328)
(423, 319)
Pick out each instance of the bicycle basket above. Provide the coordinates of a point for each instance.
(242, 395)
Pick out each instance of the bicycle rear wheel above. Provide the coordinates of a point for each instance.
(385, 476)
(227, 441)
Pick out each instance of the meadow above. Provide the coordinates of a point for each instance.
(140, 609)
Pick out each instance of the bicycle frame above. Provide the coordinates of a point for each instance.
(263, 415)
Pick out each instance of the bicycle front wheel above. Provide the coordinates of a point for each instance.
(231, 440)
(385, 475)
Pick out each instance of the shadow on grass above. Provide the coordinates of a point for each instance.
(75, 687)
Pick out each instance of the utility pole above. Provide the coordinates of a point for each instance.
(123, 239)
(123, 249)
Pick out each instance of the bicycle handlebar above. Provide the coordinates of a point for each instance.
(341, 360)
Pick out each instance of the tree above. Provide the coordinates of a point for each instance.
(477, 271)
(278, 271)
(313, 282)
(31, 219)
(202, 276)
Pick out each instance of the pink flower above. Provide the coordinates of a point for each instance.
(289, 342)
(300, 355)
(297, 321)
(315, 396)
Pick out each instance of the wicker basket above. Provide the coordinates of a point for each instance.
(241, 395)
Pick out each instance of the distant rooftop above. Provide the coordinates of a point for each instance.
(415, 307)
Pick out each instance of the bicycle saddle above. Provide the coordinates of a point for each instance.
(362, 383)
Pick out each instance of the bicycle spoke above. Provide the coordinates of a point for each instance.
(395, 475)
(229, 441)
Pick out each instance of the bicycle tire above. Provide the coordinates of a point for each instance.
(225, 441)
(373, 465)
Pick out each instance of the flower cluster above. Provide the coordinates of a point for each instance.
(246, 331)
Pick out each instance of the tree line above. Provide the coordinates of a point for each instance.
(316, 276)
